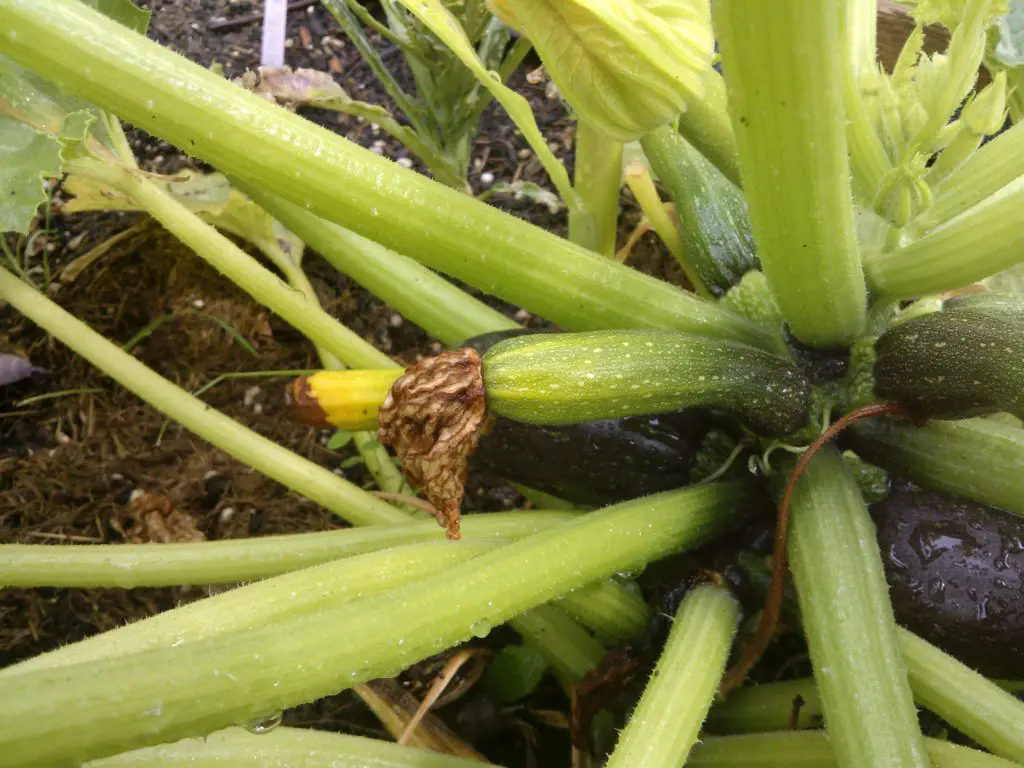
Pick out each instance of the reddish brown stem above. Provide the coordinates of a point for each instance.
(769, 622)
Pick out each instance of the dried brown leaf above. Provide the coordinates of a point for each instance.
(433, 417)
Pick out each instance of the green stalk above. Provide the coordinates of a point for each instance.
(569, 650)
(103, 707)
(981, 243)
(785, 75)
(768, 707)
(247, 137)
(230, 561)
(854, 651)
(283, 747)
(979, 459)
(230, 260)
(256, 605)
(987, 171)
(664, 726)
(265, 456)
(642, 186)
(618, 614)
(973, 705)
(414, 291)
(813, 749)
(705, 124)
(597, 180)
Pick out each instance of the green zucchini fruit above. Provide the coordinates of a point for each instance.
(956, 573)
(953, 364)
(570, 378)
(713, 223)
(593, 463)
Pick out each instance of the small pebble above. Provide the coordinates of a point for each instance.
(487, 177)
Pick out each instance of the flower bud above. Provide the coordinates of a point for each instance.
(625, 66)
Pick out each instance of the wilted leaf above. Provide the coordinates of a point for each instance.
(210, 196)
(433, 417)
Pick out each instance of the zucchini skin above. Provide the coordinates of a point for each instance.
(1001, 306)
(569, 378)
(713, 224)
(956, 573)
(953, 364)
(593, 463)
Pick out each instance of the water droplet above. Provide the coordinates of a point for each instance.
(480, 628)
(264, 724)
(150, 104)
(933, 539)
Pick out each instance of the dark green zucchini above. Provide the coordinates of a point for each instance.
(713, 223)
(1001, 306)
(570, 378)
(953, 364)
(593, 463)
(956, 572)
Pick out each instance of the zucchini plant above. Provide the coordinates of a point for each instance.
(817, 194)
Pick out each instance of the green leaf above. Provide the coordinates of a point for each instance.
(515, 673)
(27, 159)
(124, 12)
(350, 462)
(339, 440)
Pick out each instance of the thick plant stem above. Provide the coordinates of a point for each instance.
(664, 726)
(983, 242)
(234, 560)
(979, 459)
(615, 612)
(597, 181)
(265, 456)
(107, 706)
(283, 747)
(414, 291)
(249, 138)
(854, 652)
(813, 749)
(227, 258)
(256, 605)
(785, 75)
(973, 705)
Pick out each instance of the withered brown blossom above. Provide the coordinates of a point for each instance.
(433, 417)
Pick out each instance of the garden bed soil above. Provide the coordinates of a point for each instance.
(73, 467)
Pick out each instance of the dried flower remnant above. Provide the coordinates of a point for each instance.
(433, 417)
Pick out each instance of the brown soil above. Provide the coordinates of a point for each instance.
(71, 465)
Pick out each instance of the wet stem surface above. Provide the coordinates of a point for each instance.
(70, 466)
